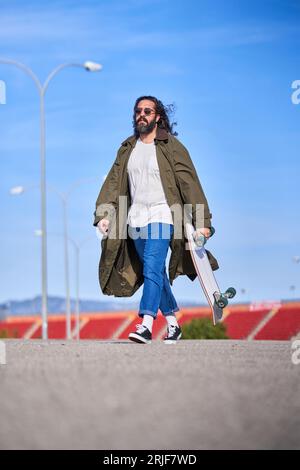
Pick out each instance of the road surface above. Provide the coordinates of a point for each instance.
(214, 394)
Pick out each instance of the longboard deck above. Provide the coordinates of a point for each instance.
(204, 273)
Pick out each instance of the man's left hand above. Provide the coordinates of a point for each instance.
(202, 231)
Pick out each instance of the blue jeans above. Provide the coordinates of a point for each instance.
(152, 243)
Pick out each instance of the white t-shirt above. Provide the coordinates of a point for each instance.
(148, 199)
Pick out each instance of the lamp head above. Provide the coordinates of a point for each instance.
(16, 190)
(92, 66)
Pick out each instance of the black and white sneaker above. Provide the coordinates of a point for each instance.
(141, 335)
(174, 334)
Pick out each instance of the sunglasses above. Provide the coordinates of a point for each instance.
(147, 111)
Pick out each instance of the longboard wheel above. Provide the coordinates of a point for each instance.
(220, 299)
(230, 292)
(222, 302)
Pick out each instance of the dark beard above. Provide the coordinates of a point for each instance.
(145, 128)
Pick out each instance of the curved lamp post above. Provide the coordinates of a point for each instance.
(77, 247)
(42, 88)
(64, 198)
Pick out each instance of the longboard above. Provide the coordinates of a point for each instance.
(216, 300)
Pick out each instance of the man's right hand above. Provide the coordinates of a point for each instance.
(103, 226)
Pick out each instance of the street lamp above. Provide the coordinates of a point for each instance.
(296, 260)
(77, 247)
(64, 197)
(293, 289)
(92, 66)
(42, 88)
(16, 190)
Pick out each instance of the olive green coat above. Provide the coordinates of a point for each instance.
(120, 270)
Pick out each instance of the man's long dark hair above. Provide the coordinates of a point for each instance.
(164, 111)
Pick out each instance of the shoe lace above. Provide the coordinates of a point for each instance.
(171, 330)
(140, 328)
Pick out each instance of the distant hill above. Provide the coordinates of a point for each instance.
(58, 305)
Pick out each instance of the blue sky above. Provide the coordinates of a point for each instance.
(227, 66)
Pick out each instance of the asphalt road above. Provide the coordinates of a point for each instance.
(121, 395)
